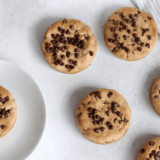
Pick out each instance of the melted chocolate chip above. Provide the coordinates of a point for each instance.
(110, 127)
(91, 53)
(65, 21)
(139, 49)
(142, 150)
(142, 44)
(125, 27)
(115, 22)
(71, 27)
(102, 128)
(149, 17)
(130, 16)
(108, 113)
(110, 94)
(115, 120)
(124, 37)
(136, 15)
(129, 31)
(147, 45)
(68, 54)
(156, 96)
(68, 32)
(96, 130)
(112, 29)
(76, 55)
(121, 23)
(3, 126)
(151, 143)
(149, 37)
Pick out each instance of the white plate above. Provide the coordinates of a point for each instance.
(31, 113)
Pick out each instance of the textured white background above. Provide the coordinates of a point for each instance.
(22, 25)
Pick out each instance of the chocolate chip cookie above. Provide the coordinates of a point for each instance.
(130, 33)
(151, 150)
(8, 112)
(103, 116)
(155, 95)
(69, 46)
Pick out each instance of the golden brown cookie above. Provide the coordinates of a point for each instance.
(69, 46)
(8, 111)
(130, 33)
(103, 116)
(155, 95)
(151, 150)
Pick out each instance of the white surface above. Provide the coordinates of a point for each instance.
(31, 114)
(22, 26)
(151, 7)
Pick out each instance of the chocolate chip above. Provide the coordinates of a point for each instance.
(151, 143)
(139, 49)
(129, 31)
(91, 53)
(90, 109)
(115, 22)
(120, 29)
(142, 44)
(3, 126)
(149, 37)
(125, 120)
(121, 23)
(112, 29)
(67, 66)
(102, 128)
(110, 94)
(68, 32)
(122, 45)
(128, 21)
(96, 130)
(75, 63)
(124, 37)
(52, 35)
(136, 15)
(137, 39)
(120, 122)
(134, 20)
(6, 98)
(149, 17)
(6, 114)
(133, 24)
(110, 127)
(108, 113)
(118, 113)
(147, 159)
(127, 49)
(71, 27)
(89, 102)
(156, 96)
(142, 150)
(110, 40)
(158, 154)
(124, 18)
(147, 45)
(116, 37)
(139, 12)
(71, 61)
(71, 67)
(125, 27)
(115, 120)
(134, 35)
(68, 54)
(65, 21)
(121, 14)
(76, 55)
(130, 16)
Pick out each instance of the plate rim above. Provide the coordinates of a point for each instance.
(45, 113)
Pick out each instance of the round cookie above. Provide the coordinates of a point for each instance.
(69, 46)
(8, 112)
(155, 95)
(150, 150)
(130, 33)
(103, 116)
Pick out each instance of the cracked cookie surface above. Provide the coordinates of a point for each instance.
(8, 111)
(155, 95)
(103, 116)
(130, 33)
(150, 150)
(69, 46)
